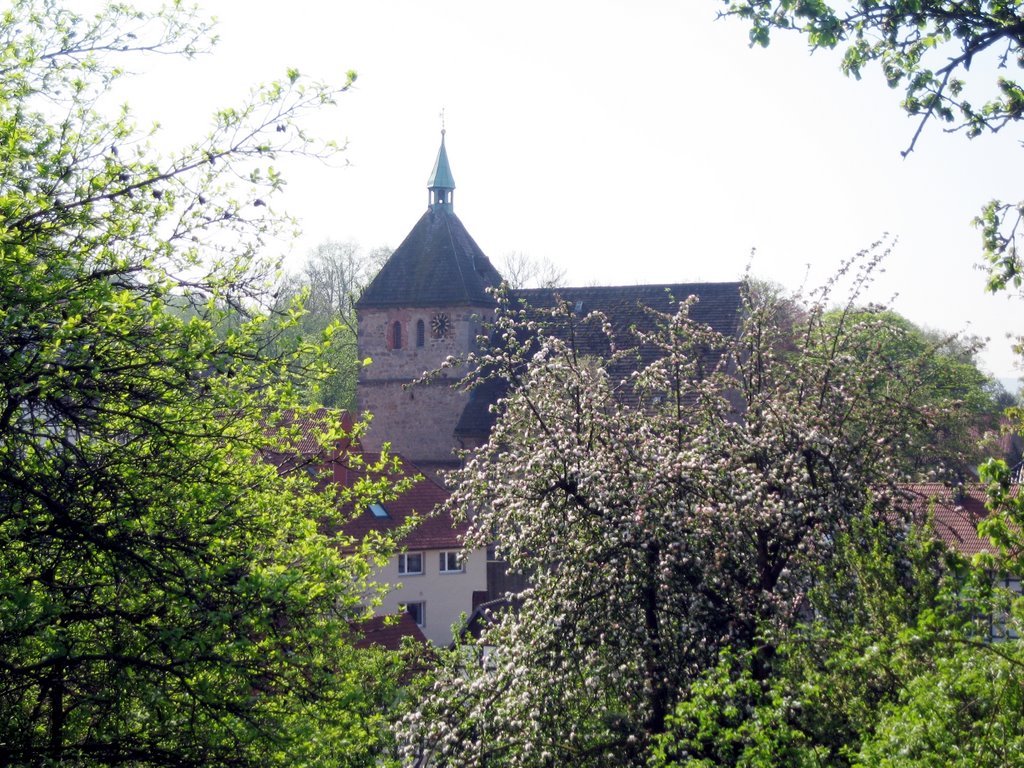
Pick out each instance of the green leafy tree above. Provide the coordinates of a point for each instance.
(883, 624)
(927, 49)
(663, 518)
(166, 597)
(962, 405)
(334, 275)
(964, 712)
(962, 684)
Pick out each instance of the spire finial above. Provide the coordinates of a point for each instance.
(441, 185)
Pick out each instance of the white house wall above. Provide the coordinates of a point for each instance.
(445, 596)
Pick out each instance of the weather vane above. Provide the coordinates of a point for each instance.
(442, 120)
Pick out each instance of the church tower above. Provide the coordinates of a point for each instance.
(429, 301)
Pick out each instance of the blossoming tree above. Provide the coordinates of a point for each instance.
(662, 517)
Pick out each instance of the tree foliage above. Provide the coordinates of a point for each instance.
(963, 405)
(663, 518)
(333, 276)
(927, 49)
(165, 595)
(896, 669)
(960, 713)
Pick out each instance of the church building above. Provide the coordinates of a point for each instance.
(430, 301)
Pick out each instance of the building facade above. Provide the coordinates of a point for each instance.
(432, 578)
(430, 302)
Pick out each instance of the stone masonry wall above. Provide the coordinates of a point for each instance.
(419, 422)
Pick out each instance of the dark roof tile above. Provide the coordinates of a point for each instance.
(438, 264)
(719, 305)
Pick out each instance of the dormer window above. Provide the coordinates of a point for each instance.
(396, 335)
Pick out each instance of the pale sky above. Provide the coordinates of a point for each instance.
(626, 141)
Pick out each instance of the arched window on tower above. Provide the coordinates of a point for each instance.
(421, 333)
(396, 335)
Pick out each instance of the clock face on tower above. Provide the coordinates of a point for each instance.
(440, 325)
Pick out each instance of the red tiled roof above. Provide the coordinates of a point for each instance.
(436, 531)
(312, 427)
(379, 631)
(955, 513)
(308, 449)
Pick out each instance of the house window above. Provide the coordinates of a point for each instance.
(377, 510)
(1002, 622)
(396, 335)
(421, 333)
(451, 562)
(410, 564)
(418, 611)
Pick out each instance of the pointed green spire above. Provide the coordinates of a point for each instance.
(441, 184)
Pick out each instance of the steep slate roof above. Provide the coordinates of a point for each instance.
(626, 307)
(476, 419)
(434, 532)
(438, 264)
(719, 305)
